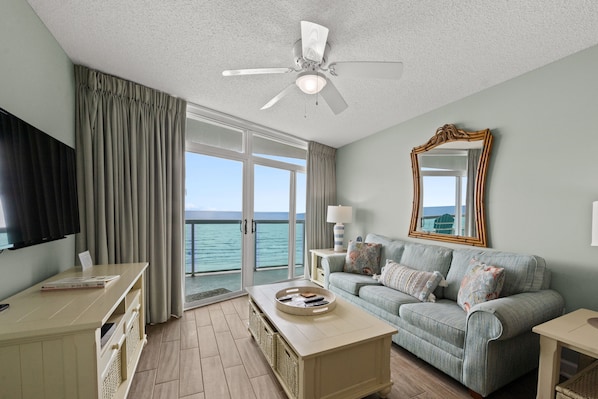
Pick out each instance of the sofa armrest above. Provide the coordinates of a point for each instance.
(332, 264)
(499, 342)
(515, 314)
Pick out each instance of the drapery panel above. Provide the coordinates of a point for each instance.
(473, 162)
(321, 192)
(130, 143)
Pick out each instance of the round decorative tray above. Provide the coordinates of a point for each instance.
(305, 301)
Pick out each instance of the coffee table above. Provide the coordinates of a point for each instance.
(341, 354)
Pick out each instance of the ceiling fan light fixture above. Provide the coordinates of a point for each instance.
(310, 82)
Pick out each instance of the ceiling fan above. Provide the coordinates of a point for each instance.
(310, 54)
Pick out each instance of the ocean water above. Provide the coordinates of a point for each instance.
(431, 211)
(215, 244)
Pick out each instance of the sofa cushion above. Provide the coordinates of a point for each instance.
(417, 283)
(481, 283)
(426, 257)
(391, 249)
(429, 258)
(523, 273)
(445, 318)
(363, 258)
(351, 282)
(385, 298)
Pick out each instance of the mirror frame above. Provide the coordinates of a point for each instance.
(446, 134)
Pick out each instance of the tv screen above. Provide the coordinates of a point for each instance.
(38, 185)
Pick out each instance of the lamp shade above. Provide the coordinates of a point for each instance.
(594, 224)
(339, 214)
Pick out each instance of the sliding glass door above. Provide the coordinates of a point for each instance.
(213, 227)
(245, 211)
(273, 225)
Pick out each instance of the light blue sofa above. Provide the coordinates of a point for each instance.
(485, 349)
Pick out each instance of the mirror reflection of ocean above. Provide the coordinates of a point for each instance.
(217, 240)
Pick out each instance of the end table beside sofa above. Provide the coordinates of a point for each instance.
(578, 331)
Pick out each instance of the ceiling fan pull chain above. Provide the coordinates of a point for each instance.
(317, 95)
(305, 107)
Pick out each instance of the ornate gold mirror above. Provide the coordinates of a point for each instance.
(449, 175)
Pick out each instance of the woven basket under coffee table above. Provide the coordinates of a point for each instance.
(583, 385)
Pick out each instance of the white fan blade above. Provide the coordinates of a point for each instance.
(333, 98)
(255, 71)
(313, 41)
(277, 97)
(373, 70)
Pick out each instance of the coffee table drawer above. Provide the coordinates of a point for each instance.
(254, 321)
(263, 333)
(268, 341)
(287, 365)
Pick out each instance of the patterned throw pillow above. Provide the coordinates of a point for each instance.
(481, 283)
(363, 258)
(417, 283)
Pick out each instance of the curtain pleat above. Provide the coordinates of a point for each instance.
(473, 161)
(130, 166)
(321, 192)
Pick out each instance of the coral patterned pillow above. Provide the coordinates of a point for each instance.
(481, 283)
(363, 258)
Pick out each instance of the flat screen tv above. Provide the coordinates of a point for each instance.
(38, 185)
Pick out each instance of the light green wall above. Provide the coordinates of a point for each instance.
(36, 84)
(543, 174)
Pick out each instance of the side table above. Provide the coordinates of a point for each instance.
(317, 273)
(568, 331)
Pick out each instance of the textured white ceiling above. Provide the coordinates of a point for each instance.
(450, 49)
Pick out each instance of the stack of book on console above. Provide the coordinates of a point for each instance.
(78, 282)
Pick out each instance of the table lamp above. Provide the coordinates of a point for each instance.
(339, 215)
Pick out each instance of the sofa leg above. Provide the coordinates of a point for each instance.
(475, 395)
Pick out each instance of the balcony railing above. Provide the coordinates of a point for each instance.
(433, 224)
(215, 246)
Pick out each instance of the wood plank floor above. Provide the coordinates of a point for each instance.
(209, 354)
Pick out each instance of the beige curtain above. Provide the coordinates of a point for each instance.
(473, 161)
(130, 144)
(321, 192)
